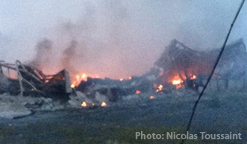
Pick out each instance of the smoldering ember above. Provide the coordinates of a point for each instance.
(179, 71)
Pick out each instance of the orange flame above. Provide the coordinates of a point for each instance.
(138, 92)
(77, 77)
(159, 88)
(152, 97)
(84, 104)
(80, 77)
(103, 104)
(177, 82)
(84, 77)
(122, 79)
(72, 85)
(193, 77)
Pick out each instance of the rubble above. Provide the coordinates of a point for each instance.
(76, 99)
(13, 110)
(31, 81)
(179, 73)
(100, 98)
(19, 106)
(181, 62)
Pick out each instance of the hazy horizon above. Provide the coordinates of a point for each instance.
(112, 38)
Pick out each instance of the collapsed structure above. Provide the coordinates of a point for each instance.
(181, 63)
(28, 80)
(178, 66)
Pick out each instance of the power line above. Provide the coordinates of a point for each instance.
(215, 65)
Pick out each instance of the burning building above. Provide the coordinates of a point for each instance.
(27, 80)
(180, 64)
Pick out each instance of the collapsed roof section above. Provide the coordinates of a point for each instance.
(178, 59)
(26, 79)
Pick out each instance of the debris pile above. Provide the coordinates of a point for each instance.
(181, 63)
(179, 70)
(28, 80)
(21, 106)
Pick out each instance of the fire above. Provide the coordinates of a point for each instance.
(76, 79)
(72, 85)
(84, 104)
(159, 88)
(152, 97)
(193, 77)
(138, 92)
(103, 104)
(84, 77)
(177, 82)
(129, 78)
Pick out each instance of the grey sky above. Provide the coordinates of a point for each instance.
(116, 38)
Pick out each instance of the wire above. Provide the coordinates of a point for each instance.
(215, 65)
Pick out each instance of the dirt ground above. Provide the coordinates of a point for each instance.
(220, 112)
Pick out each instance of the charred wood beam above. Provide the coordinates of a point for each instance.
(23, 69)
(20, 78)
(33, 81)
(20, 65)
(10, 66)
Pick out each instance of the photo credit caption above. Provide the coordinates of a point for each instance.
(189, 136)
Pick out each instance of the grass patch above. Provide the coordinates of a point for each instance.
(7, 131)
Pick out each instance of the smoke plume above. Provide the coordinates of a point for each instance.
(112, 38)
(43, 54)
